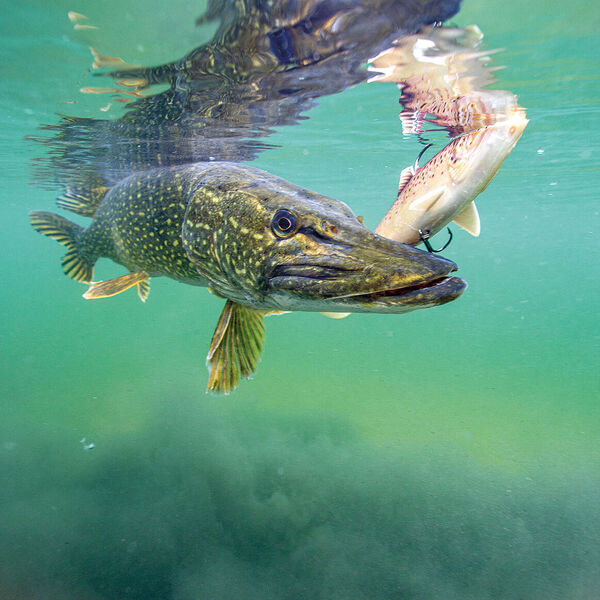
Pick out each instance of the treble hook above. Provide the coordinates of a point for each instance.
(416, 167)
(424, 235)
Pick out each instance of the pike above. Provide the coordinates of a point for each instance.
(444, 189)
(264, 245)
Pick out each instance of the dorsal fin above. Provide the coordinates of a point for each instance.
(406, 175)
(235, 347)
(468, 219)
(82, 203)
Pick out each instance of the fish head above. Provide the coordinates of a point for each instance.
(275, 246)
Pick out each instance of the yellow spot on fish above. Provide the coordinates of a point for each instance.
(233, 221)
(258, 236)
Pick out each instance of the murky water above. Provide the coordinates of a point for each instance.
(447, 453)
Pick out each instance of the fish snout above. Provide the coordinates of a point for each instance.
(408, 265)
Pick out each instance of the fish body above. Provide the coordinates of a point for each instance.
(443, 189)
(262, 243)
(138, 225)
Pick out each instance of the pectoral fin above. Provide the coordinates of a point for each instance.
(468, 219)
(426, 201)
(112, 287)
(334, 315)
(235, 348)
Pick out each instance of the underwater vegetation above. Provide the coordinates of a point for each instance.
(213, 504)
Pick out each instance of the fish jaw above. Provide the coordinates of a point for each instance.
(441, 189)
(391, 301)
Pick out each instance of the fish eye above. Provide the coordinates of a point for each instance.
(284, 223)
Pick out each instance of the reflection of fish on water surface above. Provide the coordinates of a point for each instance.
(265, 245)
(265, 65)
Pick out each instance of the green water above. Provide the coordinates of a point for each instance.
(450, 453)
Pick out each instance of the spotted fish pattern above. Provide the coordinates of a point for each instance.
(138, 224)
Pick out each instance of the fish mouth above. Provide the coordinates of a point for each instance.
(395, 296)
(427, 293)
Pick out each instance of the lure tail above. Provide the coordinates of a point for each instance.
(69, 234)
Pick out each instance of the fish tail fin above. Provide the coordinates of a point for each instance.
(68, 234)
(82, 203)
